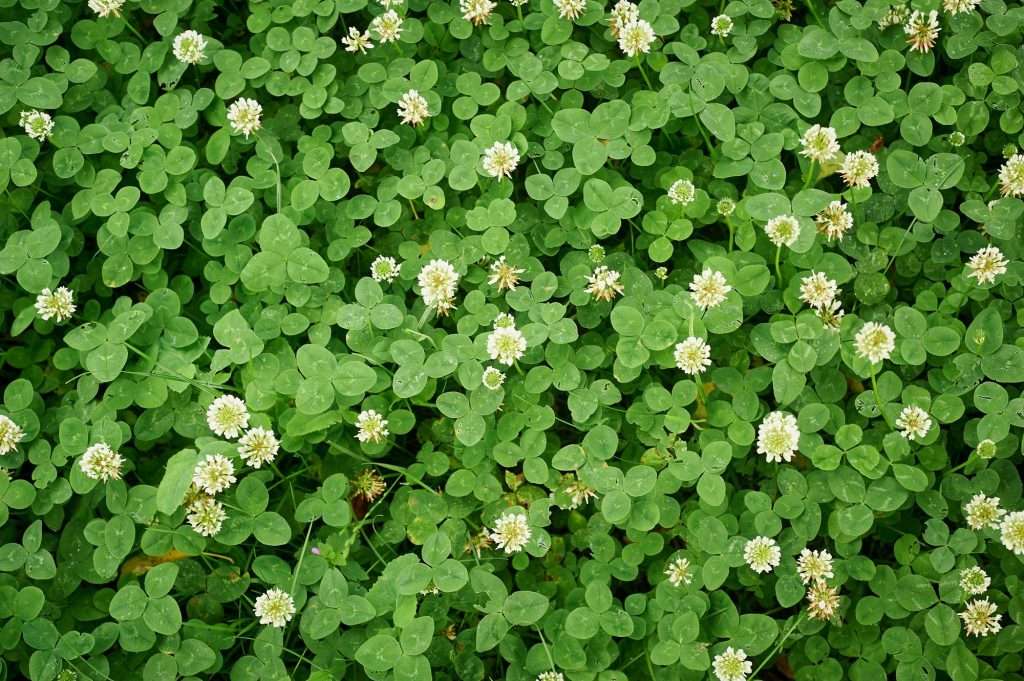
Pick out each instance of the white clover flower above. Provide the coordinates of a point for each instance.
(831, 314)
(661, 273)
(476, 11)
(384, 269)
(635, 38)
(709, 289)
(357, 41)
(722, 26)
(504, 320)
(974, 581)
(579, 493)
(369, 484)
(986, 449)
(106, 8)
(596, 254)
(492, 378)
(438, 282)
(276, 608)
(258, 446)
(604, 284)
(783, 230)
(1011, 176)
(875, 342)
(1012, 531)
(412, 108)
(922, 29)
(206, 515)
(725, 207)
(388, 4)
(500, 159)
(987, 264)
(506, 344)
(817, 290)
(511, 532)
(214, 474)
(57, 304)
(387, 26)
(227, 416)
(37, 124)
(834, 221)
(896, 16)
(732, 665)
(244, 116)
(955, 7)
(814, 566)
(819, 144)
(980, 618)
(550, 676)
(984, 512)
(10, 435)
(693, 355)
(570, 9)
(624, 12)
(518, 3)
(822, 601)
(913, 422)
(101, 462)
(504, 275)
(859, 168)
(778, 437)
(678, 572)
(762, 554)
(682, 192)
(189, 47)
(371, 426)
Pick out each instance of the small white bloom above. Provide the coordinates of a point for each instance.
(974, 581)
(1011, 176)
(10, 435)
(859, 168)
(986, 449)
(384, 269)
(984, 512)
(725, 207)
(819, 144)
(387, 26)
(550, 676)
(57, 305)
(372, 427)
(438, 282)
(276, 608)
(106, 8)
(987, 264)
(244, 116)
(412, 108)
(783, 230)
(834, 221)
(896, 16)
(101, 462)
(258, 446)
(875, 342)
(778, 437)
(189, 47)
(622, 13)
(37, 124)
(206, 515)
(357, 41)
(817, 290)
(822, 601)
(813, 566)
(1012, 531)
(762, 554)
(922, 29)
(722, 25)
(709, 289)
(604, 283)
(682, 192)
(476, 11)
(504, 275)
(500, 159)
(678, 572)
(214, 474)
(492, 378)
(955, 7)
(506, 344)
(511, 532)
(980, 618)
(227, 416)
(596, 254)
(913, 422)
(732, 665)
(831, 314)
(570, 9)
(693, 355)
(579, 492)
(635, 38)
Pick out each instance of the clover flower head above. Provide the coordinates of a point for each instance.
(896, 16)
(596, 254)
(384, 269)
(57, 304)
(511, 532)
(817, 290)
(682, 192)
(974, 581)
(604, 284)
(206, 515)
(834, 221)
(987, 264)
(955, 7)
(693, 355)
(1011, 531)
(503, 275)
(778, 437)
(388, 4)
(813, 566)
(244, 115)
(913, 422)
(579, 492)
(661, 273)
(980, 618)
(822, 601)
(957, 138)
(476, 11)
(725, 207)
(214, 474)
(984, 512)
(783, 230)
(762, 554)
(922, 29)
(106, 8)
(387, 26)
(732, 665)
(492, 378)
(37, 124)
(622, 13)
(635, 37)
(679, 572)
(10, 435)
(371, 427)
(189, 47)
(101, 462)
(369, 485)
(722, 25)
(501, 159)
(438, 282)
(506, 344)
(858, 168)
(986, 449)
(819, 143)
(227, 416)
(412, 108)
(276, 607)
(258, 446)
(831, 314)
(570, 9)
(1011, 176)
(874, 342)
(357, 41)
(709, 289)
(550, 676)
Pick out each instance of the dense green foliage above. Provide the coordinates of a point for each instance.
(560, 366)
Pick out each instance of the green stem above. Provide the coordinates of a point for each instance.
(814, 11)
(643, 72)
(970, 459)
(874, 390)
(778, 269)
(302, 554)
(732, 230)
(778, 646)
(519, 11)
(415, 215)
(810, 174)
(277, 166)
(133, 30)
